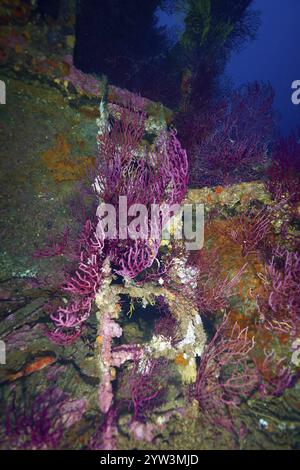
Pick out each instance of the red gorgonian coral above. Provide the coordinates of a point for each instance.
(43, 424)
(146, 386)
(213, 291)
(281, 312)
(284, 172)
(145, 173)
(252, 230)
(224, 376)
(231, 139)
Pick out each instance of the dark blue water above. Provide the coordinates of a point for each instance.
(273, 56)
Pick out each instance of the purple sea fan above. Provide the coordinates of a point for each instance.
(275, 375)
(160, 270)
(118, 147)
(73, 315)
(146, 386)
(284, 172)
(129, 166)
(252, 230)
(167, 325)
(224, 377)
(213, 291)
(233, 137)
(87, 277)
(286, 284)
(133, 256)
(64, 336)
(175, 174)
(41, 425)
(82, 286)
(146, 174)
(283, 275)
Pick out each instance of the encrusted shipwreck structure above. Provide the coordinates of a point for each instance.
(189, 344)
(105, 345)
(146, 164)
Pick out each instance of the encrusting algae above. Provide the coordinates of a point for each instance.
(62, 165)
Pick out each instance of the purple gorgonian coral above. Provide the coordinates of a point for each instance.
(281, 312)
(225, 376)
(284, 172)
(145, 174)
(145, 169)
(43, 424)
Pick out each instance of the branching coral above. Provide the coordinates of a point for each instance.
(145, 174)
(154, 175)
(282, 311)
(83, 286)
(213, 291)
(224, 377)
(43, 425)
(133, 256)
(252, 230)
(284, 171)
(231, 141)
(146, 386)
(275, 375)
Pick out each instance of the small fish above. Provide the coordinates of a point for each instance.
(33, 366)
